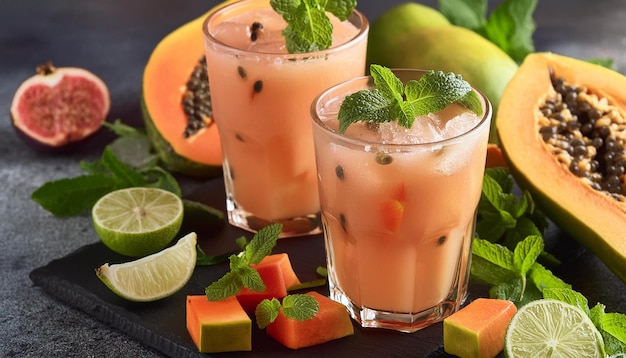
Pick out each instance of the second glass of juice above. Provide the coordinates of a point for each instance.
(261, 97)
(399, 208)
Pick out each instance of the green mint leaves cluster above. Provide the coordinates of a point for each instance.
(242, 274)
(126, 162)
(510, 25)
(512, 269)
(308, 27)
(392, 100)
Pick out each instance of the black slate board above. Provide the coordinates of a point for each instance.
(161, 324)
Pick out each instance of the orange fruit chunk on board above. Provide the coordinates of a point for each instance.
(478, 329)
(218, 326)
(331, 322)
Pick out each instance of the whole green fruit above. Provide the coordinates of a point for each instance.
(455, 49)
(394, 24)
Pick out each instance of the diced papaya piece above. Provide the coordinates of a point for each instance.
(218, 326)
(478, 329)
(495, 158)
(282, 260)
(272, 275)
(331, 322)
(391, 212)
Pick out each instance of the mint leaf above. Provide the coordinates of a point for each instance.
(241, 274)
(544, 278)
(73, 196)
(614, 325)
(228, 285)
(202, 259)
(387, 83)
(435, 90)
(510, 26)
(471, 14)
(494, 253)
(122, 172)
(392, 100)
(157, 177)
(250, 278)
(266, 312)
(342, 9)
(569, 296)
(300, 307)
(364, 106)
(262, 243)
(308, 27)
(526, 253)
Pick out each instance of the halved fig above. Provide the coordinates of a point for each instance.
(59, 106)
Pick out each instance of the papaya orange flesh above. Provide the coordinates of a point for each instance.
(282, 260)
(166, 74)
(495, 158)
(593, 217)
(478, 329)
(218, 326)
(271, 273)
(331, 322)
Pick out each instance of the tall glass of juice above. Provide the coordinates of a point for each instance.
(398, 208)
(261, 96)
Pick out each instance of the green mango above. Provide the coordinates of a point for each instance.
(392, 25)
(455, 49)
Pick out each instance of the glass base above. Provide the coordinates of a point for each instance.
(295, 226)
(397, 321)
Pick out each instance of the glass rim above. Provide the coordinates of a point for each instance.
(362, 32)
(484, 120)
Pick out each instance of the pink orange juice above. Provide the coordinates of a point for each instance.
(398, 208)
(261, 97)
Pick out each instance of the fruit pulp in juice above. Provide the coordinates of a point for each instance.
(399, 221)
(261, 105)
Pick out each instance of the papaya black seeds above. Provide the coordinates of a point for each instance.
(586, 135)
(196, 100)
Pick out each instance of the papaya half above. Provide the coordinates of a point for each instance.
(171, 65)
(562, 129)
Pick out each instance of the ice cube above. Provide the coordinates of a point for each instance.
(460, 124)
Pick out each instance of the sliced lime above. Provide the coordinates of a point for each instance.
(155, 276)
(551, 328)
(138, 221)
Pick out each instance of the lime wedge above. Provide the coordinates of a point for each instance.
(155, 276)
(138, 221)
(551, 328)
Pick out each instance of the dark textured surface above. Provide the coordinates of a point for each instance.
(114, 39)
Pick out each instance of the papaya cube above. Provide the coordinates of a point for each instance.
(331, 322)
(478, 329)
(282, 260)
(272, 275)
(218, 326)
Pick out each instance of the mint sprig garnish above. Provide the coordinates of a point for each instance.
(241, 274)
(300, 307)
(392, 100)
(308, 27)
(126, 162)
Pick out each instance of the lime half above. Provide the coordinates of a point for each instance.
(551, 328)
(155, 276)
(138, 221)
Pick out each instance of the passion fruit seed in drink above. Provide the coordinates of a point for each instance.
(137, 221)
(155, 276)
